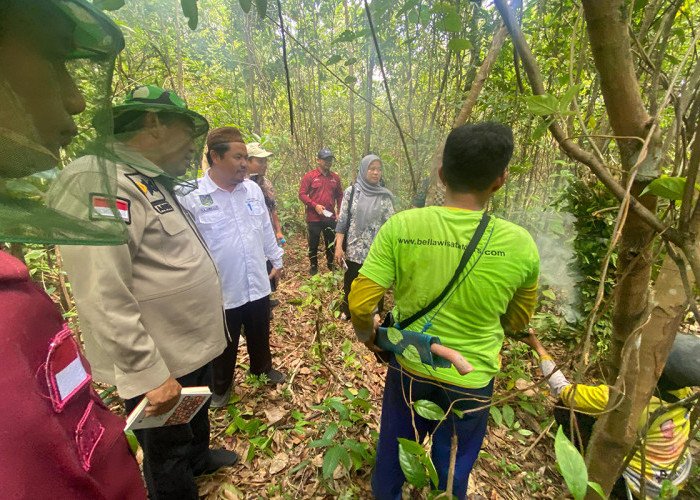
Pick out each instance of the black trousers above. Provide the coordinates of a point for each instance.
(174, 455)
(350, 275)
(255, 318)
(316, 229)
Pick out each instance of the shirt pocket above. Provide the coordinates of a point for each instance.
(178, 242)
(257, 211)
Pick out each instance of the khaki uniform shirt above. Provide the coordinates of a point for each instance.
(149, 308)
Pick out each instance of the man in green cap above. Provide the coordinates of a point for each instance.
(58, 440)
(151, 309)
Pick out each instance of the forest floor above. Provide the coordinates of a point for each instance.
(293, 438)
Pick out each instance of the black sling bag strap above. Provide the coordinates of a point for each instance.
(345, 240)
(481, 228)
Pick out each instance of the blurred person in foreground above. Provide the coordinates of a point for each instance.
(418, 252)
(320, 191)
(229, 211)
(365, 208)
(666, 417)
(150, 309)
(257, 168)
(57, 439)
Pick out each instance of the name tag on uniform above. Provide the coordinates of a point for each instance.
(65, 372)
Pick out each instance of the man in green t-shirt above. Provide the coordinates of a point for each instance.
(418, 252)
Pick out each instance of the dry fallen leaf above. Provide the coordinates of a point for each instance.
(278, 463)
(274, 415)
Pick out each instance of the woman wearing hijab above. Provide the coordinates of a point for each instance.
(366, 207)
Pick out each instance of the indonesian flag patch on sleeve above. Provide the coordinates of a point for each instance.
(109, 207)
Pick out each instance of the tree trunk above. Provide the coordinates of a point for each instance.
(635, 365)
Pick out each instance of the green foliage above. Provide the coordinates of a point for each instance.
(428, 410)
(593, 209)
(245, 5)
(189, 9)
(459, 44)
(572, 466)
(351, 412)
(671, 188)
(416, 463)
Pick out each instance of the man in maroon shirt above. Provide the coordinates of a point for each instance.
(321, 192)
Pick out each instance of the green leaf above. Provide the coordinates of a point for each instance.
(541, 129)
(333, 457)
(320, 443)
(451, 22)
(528, 407)
(331, 431)
(246, 5)
(298, 467)
(430, 467)
(671, 188)
(189, 9)
(133, 442)
(408, 5)
(340, 408)
(549, 294)
(544, 104)
(424, 15)
(335, 58)
(568, 97)
(496, 415)
(412, 447)
(262, 8)
(508, 415)
(363, 393)
(458, 44)
(350, 80)
(395, 336)
(428, 409)
(108, 4)
(251, 452)
(411, 354)
(411, 466)
(350, 61)
(571, 465)
(345, 36)
(599, 489)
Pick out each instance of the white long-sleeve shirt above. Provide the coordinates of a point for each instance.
(237, 229)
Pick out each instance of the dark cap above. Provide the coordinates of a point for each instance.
(325, 153)
(222, 135)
